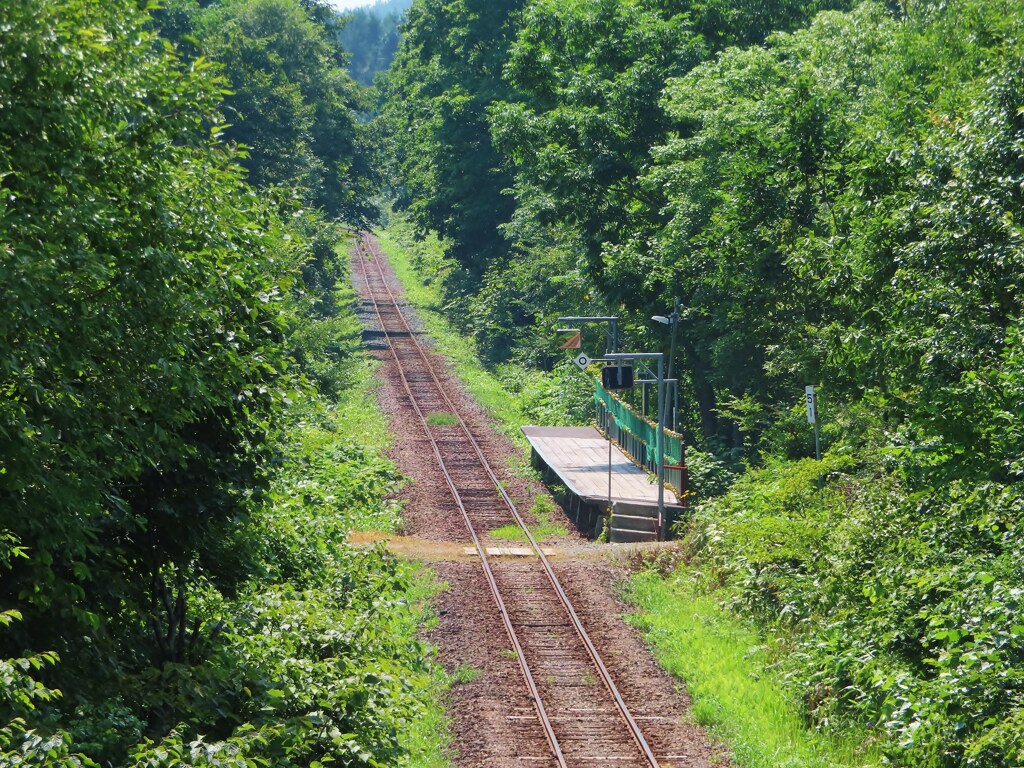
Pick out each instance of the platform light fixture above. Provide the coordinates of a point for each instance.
(672, 321)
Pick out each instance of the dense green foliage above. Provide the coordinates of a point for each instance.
(446, 172)
(289, 99)
(737, 688)
(176, 486)
(890, 609)
(314, 657)
(887, 154)
(850, 194)
(575, 113)
(834, 191)
(143, 320)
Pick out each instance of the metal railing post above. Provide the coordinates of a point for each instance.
(661, 445)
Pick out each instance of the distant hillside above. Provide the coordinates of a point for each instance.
(385, 8)
(371, 36)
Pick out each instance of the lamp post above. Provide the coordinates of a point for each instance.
(672, 321)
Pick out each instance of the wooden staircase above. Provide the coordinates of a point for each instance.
(633, 522)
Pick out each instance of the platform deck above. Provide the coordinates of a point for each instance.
(579, 457)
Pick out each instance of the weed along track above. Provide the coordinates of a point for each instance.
(576, 702)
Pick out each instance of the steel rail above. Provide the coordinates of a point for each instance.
(549, 730)
(591, 649)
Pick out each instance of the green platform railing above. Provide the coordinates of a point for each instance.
(637, 436)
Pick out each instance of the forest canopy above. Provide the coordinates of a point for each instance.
(832, 195)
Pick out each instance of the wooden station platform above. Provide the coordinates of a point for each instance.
(578, 458)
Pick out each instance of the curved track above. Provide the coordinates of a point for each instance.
(585, 719)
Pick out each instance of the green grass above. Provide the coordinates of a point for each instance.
(541, 510)
(724, 666)
(428, 736)
(356, 413)
(356, 416)
(463, 673)
(441, 419)
(511, 532)
(540, 532)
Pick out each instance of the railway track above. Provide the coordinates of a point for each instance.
(583, 715)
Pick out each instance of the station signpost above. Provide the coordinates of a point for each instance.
(811, 398)
(812, 417)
